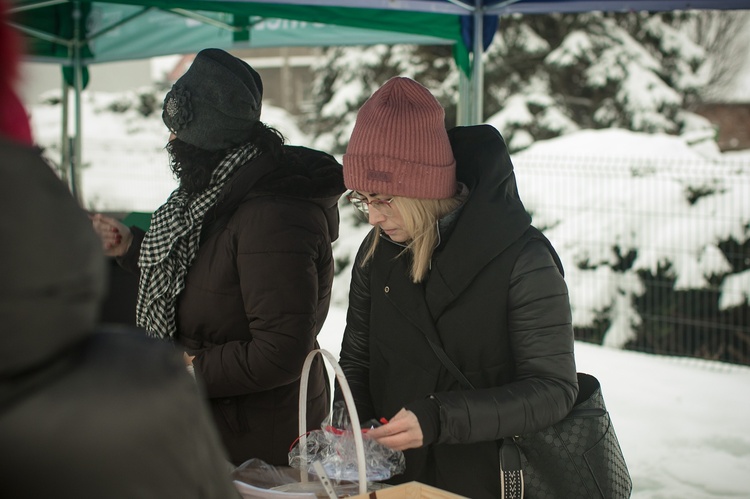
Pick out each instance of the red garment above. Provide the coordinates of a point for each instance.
(14, 120)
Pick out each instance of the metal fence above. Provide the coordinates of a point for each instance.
(656, 248)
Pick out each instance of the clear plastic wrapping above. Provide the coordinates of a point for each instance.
(333, 445)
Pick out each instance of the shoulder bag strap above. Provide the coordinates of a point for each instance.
(448, 363)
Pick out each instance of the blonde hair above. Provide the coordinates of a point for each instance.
(420, 218)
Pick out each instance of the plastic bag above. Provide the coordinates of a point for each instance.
(333, 445)
(258, 474)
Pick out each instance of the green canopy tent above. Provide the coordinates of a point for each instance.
(77, 34)
(117, 32)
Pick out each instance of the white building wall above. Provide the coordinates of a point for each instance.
(37, 78)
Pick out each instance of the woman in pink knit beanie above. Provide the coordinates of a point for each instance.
(453, 262)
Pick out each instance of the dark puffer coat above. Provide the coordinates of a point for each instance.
(256, 296)
(495, 299)
(85, 413)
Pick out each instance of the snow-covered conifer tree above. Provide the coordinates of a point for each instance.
(545, 75)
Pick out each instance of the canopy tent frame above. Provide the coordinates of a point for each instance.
(71, 145)
(71, 157)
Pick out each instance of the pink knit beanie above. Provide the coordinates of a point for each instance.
(399, 145)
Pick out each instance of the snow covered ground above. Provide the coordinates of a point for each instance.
(683, 424)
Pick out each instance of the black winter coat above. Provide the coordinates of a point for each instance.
(85, 413)
(256, 297)
(495, 299)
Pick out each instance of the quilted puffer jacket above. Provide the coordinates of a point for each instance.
(495, 299)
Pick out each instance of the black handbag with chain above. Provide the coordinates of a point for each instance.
(577, 457)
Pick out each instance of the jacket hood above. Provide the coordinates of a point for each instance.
(51, 263)
(303, 173)
(493, 216)
(484, 165)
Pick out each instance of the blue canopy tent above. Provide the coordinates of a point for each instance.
(64, 30)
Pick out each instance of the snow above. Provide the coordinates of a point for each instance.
(682, 423)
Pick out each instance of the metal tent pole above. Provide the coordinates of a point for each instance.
(463, 114)
(75, 164)
(65, 136)
(477, 67)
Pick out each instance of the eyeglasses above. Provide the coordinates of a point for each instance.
(383, 206)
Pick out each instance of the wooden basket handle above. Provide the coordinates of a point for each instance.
(359, 445)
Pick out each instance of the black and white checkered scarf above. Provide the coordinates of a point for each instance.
(170, 246)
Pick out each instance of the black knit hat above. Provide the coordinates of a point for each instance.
(215, 104)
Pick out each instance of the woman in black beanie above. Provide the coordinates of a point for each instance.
(237, 266)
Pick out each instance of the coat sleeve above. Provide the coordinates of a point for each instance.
(541, 333)
(284, 264)
(355, 346)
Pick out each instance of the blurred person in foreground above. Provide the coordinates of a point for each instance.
(85, 412)
(237, 265)
(454, 260)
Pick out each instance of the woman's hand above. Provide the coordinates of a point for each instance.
(188, 358)
(115, 236)
(400, 433)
